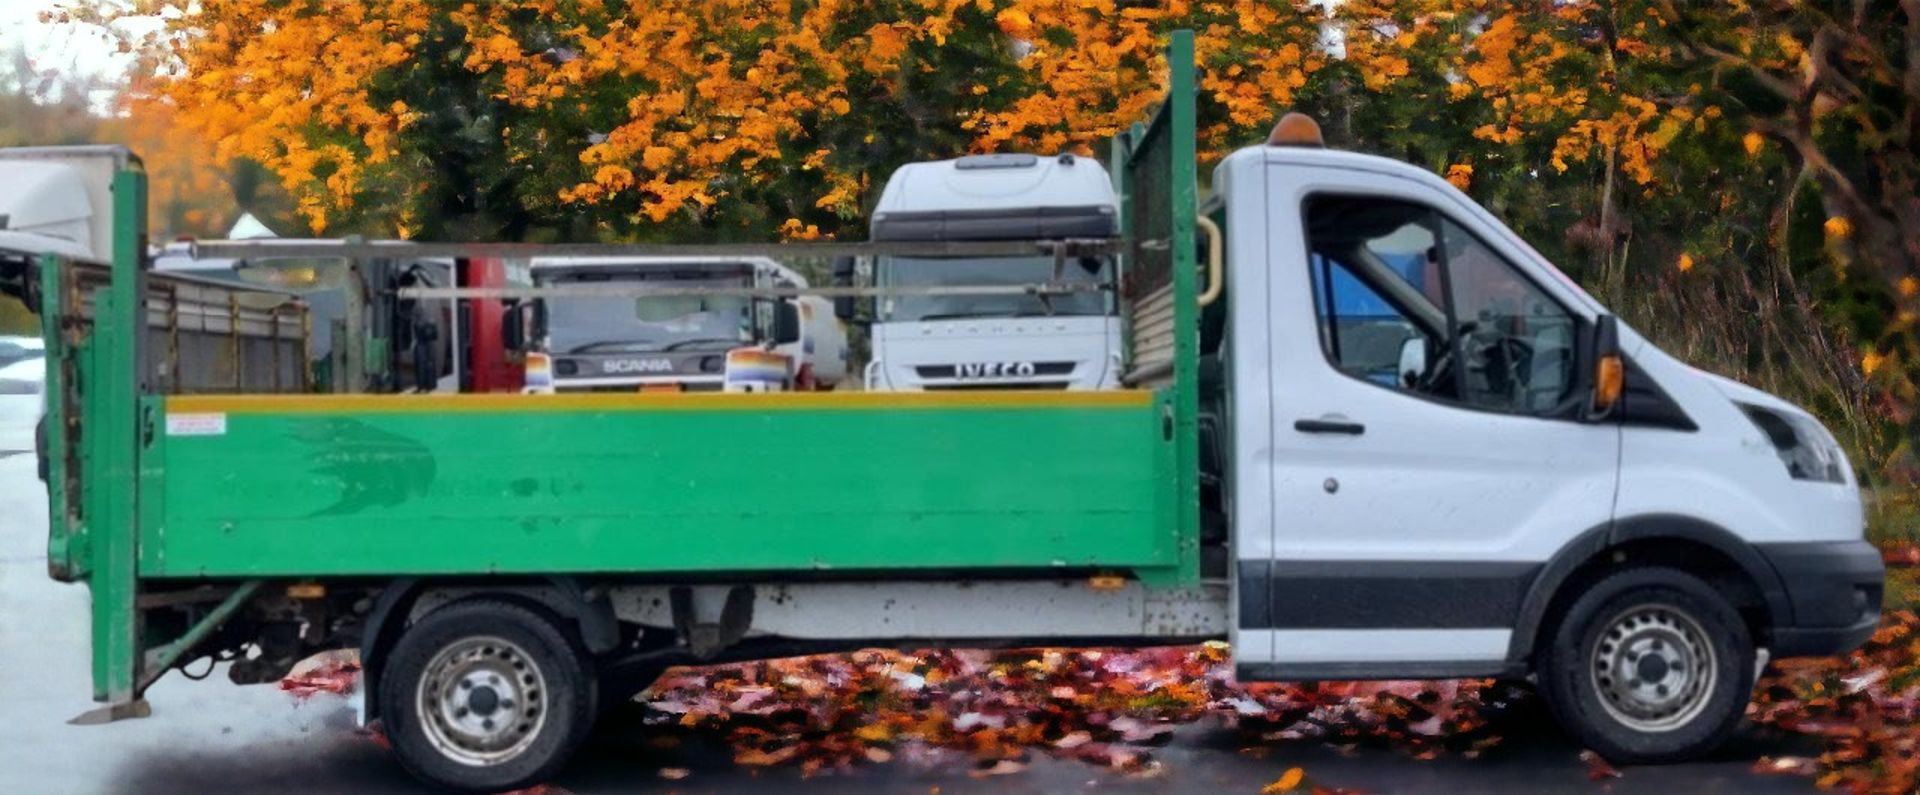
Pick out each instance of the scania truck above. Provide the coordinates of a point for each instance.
(706, 333)
(996, 341)
(1507, 482)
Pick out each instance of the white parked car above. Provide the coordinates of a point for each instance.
(20, 401)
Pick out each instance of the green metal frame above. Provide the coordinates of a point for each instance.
(160, 658)
(1173, 131)
(66, 550)
(92, 535)
(113, 435)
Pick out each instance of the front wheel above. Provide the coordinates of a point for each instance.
(1649, 665)
(486, 695)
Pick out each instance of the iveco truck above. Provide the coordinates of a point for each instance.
(1004, 341)
(1500, 480)
(681, 324)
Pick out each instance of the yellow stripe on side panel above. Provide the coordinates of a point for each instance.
(635, 401)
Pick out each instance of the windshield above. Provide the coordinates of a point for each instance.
(650, 323)
(914, 272)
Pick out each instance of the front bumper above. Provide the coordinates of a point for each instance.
(1835, 589)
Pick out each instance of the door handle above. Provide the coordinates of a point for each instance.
(1329, 426)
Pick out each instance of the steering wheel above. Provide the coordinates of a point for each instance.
(1440, 373)
(1516, 354)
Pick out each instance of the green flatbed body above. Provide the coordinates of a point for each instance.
(638, 484)
(151, 491)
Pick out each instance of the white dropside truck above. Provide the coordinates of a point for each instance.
(934, 342)
(1388, 440)
(684, 325)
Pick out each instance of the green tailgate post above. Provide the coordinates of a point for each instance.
(1182, 137)
(112, 382)
(1155, 175)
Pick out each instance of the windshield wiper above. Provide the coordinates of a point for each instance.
(595, 347)
(958, 316)
(699, 340)
(967, 315)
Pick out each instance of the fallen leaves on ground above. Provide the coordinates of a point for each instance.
(1786, 766)
(1865, 704)
(1598, 769)
(1905, 553)
(1287, 782)
(338, 678)
(991, 713)
(540, 789)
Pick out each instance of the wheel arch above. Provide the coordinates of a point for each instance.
(393, 610)
(1721, 557)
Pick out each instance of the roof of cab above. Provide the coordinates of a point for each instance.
(1333, 158)
(997, 181)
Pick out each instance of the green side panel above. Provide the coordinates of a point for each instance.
(855, 487)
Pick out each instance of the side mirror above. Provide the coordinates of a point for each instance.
(845, 307)
(1609, 368)
(513, 327)
(786, 322)
(1413, 360)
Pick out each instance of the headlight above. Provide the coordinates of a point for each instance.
(1805, 447)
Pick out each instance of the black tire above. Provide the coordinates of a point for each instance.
(454, 653)
(1652, 623)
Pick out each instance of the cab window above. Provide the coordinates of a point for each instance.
(1409, 300)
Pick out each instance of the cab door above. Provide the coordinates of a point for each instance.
(1429, 444)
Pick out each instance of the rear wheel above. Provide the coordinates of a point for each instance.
(487, 695)
(1649, 665)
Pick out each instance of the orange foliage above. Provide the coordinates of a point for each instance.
(187, 192)
(710, 96)
(261, 77)
(720, 91)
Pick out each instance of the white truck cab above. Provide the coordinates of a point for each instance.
(934, 342)
(1423, 484)
(676, 342)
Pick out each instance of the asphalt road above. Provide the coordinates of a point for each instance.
(212, 736)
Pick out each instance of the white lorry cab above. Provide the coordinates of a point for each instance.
(931, 342)
(679, 324)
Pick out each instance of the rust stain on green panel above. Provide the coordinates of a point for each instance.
(636, 484)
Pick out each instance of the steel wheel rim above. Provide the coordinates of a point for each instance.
(482, 701)
(1653, 668)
